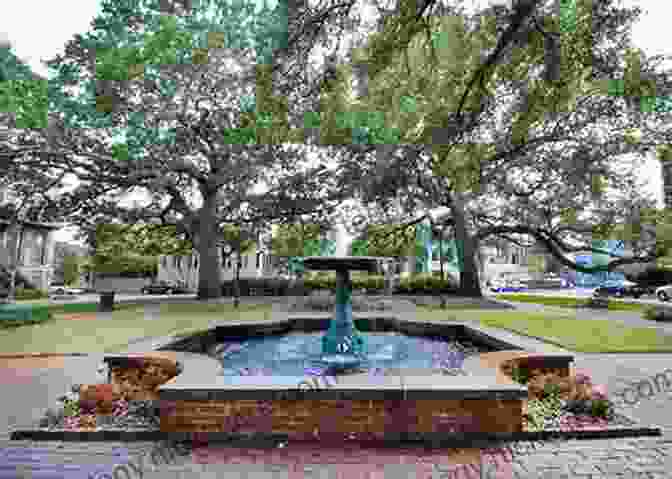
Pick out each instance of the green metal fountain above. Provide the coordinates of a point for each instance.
(343, 347)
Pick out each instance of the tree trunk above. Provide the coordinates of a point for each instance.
(467, 248)
(441, 254)
(209, 285)
(236, 284)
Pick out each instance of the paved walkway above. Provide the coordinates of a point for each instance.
(27, 392)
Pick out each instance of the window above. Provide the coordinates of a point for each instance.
(258, 260)
(195, 262)
(514, 258)
(245, 260)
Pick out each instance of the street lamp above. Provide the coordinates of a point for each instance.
(227, 249)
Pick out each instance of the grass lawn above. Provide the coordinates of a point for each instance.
(614, 305)
(586, 336)
(113, 334)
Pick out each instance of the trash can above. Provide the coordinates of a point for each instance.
(106, 301)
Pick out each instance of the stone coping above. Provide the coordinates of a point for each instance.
(447, 440)
(348, 387)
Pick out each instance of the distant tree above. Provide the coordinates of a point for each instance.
(134, 249)
(295, 241)
(71, 265)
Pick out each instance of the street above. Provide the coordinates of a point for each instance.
(118, 298)
(561, 293)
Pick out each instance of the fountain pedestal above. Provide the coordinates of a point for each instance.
(343, 347)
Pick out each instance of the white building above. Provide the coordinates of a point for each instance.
(256, 263)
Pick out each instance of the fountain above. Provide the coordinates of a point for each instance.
(343, 347)
(392, 376)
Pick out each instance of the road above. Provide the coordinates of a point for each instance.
(561, 293)
(118, 298)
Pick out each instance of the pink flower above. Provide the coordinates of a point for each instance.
(582, 376)
(599, 391)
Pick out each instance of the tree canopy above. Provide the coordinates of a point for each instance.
(536, 155)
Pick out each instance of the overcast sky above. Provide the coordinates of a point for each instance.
(41, 36)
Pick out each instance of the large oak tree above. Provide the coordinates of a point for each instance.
(510, 146)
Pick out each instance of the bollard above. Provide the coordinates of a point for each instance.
(106, 304)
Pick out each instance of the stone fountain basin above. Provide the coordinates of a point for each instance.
(404, 404)
(372, 264)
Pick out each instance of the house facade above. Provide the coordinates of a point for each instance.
(35, 244)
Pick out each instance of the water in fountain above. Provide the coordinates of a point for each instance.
(297, 354)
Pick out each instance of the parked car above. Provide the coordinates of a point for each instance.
(160, 287)
(181, 288)
(503, 286)
(60, 289)
(620, 289)
(664, 293)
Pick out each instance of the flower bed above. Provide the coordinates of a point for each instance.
(129, 402)
(563, 402)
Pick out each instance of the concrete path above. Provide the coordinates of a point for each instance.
(27, 393)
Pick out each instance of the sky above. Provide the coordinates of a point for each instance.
(37, 37)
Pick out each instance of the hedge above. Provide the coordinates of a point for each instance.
(373, 284)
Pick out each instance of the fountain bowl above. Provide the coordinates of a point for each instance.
(372, 264)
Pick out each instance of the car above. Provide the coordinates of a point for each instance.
(502, 286)
(60, 289)
(181, 288)
(160, 287)
(620, 289)
(664, 293)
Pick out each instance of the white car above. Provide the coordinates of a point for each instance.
(61, 290)
(664, 293)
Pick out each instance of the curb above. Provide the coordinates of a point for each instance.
(40, 355)
(437, 439)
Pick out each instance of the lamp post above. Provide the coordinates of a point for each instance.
(227, 249)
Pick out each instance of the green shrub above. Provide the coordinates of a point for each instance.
(424, 283)
(16, 315)
(29, 294)
(266, 286)
(320, 281)
(657, 313)
(369, 282)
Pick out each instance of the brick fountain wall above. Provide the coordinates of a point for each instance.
(303, 418)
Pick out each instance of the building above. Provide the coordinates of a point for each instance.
(255, 263)
(35, 243)
(666, 169)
